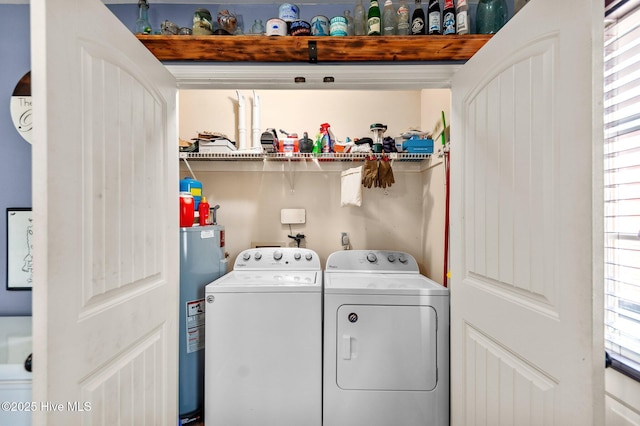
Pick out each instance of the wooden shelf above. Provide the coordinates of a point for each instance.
(250, 48)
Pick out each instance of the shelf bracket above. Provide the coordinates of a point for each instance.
(313, 51)
(291, 165)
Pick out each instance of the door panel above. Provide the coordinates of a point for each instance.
(373, 355)
(525, 347)
(105, 171)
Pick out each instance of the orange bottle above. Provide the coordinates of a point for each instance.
(203, 211)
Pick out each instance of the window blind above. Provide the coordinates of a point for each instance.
(622, 190)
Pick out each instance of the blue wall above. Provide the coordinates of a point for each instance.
(15, 152)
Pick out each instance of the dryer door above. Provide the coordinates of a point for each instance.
(386, 347)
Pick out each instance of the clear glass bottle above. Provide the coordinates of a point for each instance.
(403, 18)
(350, 23)
(388, 19)
(491, 15)
(257, 27)
(359, 21)
(142, 23)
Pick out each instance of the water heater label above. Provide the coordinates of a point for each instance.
(195, 325)
(207, 234)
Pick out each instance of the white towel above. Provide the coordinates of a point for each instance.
(351, 187)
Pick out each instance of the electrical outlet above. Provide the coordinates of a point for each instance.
(345, 241)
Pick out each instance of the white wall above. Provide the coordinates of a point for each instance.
(408, 216)
(348, 112)
(433, 102)
(622, 399)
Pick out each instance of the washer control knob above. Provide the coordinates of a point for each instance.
(246, 256)
(371, 257)
(297, 256)
(257, 256)
(277, 255)
(308, 256)
(403, 259)
(391, 258)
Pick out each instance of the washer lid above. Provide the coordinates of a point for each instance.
(386, 284)
(267, 282)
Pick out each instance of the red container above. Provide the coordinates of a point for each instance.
(187, 211)
(203, 212)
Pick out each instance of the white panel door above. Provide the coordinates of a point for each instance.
(105, 208)
(526, 301)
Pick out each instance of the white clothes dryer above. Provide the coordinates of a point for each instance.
(263, 340)
(386, 342)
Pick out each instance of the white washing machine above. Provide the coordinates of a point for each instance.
(386, 342)
(263, 341)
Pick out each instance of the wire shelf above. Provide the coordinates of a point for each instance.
(298, 156)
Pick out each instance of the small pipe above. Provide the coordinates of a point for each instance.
(256, 120)
(193, 175)
(242, 126)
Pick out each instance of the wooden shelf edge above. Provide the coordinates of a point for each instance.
(327, 49)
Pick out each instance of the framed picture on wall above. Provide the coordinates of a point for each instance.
(19, 249)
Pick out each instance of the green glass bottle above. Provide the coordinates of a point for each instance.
(491, 15)
(373, 19)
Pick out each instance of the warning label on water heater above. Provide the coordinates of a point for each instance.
(195, 325)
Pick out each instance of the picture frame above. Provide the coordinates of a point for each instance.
(19, 249)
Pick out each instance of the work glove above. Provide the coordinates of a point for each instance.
(385, 173)
(370, 172)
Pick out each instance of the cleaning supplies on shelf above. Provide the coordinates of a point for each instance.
(326, 138)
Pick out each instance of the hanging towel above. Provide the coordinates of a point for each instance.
(351, 187)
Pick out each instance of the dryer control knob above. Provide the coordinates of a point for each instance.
(371, 257)
(297, 256)
(246, 256)
(308, 256)
(277, 255)
(402, 259)
(257, 256)
(391, 258)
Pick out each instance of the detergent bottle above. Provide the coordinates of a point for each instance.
(317, 145)
(194, 187)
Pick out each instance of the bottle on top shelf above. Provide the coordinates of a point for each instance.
(142, 23)
(462, 17)
(373, 19)
(449, 18)
(434, 18)
(350, 24)
(403, 18)
(417, 19)
(359, 22)
(388, 19)
(491, 15)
